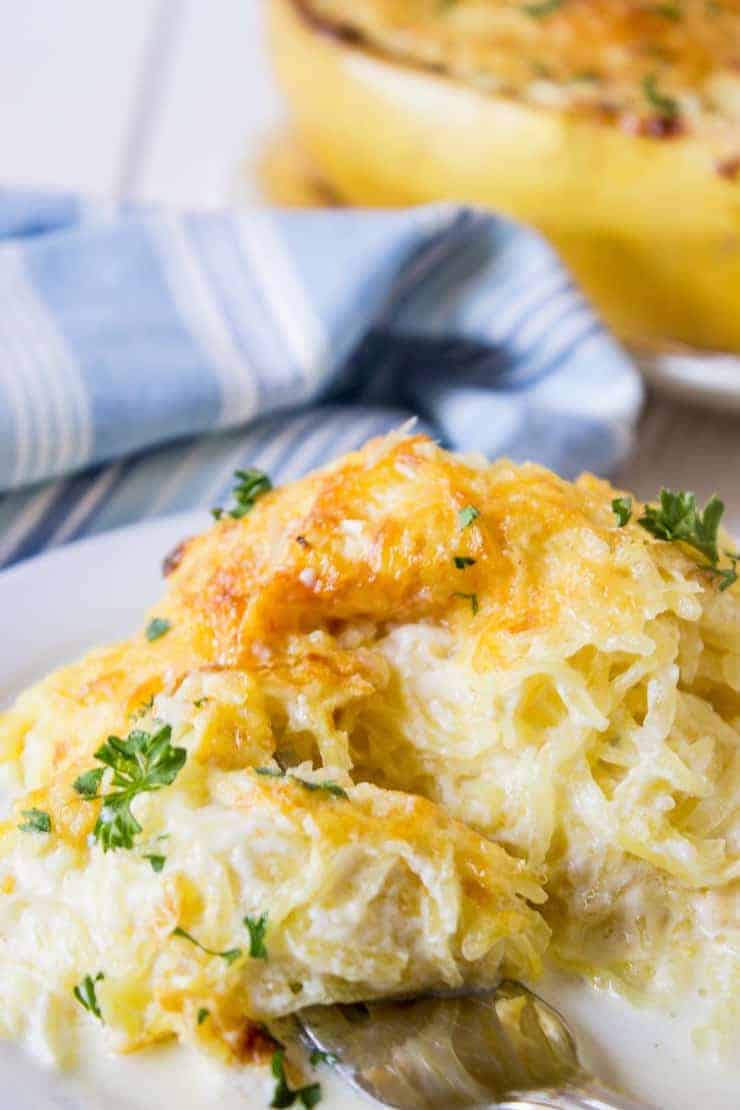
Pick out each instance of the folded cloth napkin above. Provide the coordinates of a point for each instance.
(130, 335)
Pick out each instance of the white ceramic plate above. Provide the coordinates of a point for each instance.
(59, 604)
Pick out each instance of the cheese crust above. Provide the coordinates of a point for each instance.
(612, 127)
(506, 690)
(614, 61)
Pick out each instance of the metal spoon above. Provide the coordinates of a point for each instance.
(505, 1048)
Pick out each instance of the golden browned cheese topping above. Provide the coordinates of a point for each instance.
(410, 687)
(659, 68)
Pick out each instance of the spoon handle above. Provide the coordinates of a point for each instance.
(582, 1093)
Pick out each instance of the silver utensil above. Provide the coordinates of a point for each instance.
(505, 1048)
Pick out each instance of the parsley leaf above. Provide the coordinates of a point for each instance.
(284, 1095)
(668, 11)
(257, 927)
(157, 628)
(230, 954)
(88, 784)
(36, 821)
(666, 106)
(142, 763)
(463, 561)
(726, 576)
(472, 598)
(678, 518)
(546, 7)
(85, 994)
(318, 1056)
(329, 787)
(622, 509)
(157, 862)
(203, 1013)
(250, 485)
(467, 515)
(332, 788)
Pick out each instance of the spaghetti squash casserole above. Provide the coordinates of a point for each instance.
(410, 723)
(613, 126)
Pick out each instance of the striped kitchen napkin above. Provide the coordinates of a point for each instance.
(146, 354)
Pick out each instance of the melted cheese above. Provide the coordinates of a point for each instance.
(581, 720)
(590, 57)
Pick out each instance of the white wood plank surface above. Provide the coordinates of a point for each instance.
(217, 105)
(69, 70)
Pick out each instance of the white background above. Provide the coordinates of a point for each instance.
(169, 100)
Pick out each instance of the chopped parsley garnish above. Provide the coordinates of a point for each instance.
(36, 821)
(622, 509)
(318, 1056)
(332, 788)
(668, 11)
(472, 598)
(85, 994)
(463, 561)
(467, 515)
(200, 702)
(665, 105)
(157, 862)
(329, 787)
(678, 519)
(229, 955)
(157, 628)
(545, 7)
(284, 1095)
(203, 1013)
(726, 576)
(142, 763)
(250, 485)
(257, 927)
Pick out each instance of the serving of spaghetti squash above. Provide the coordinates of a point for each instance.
(408, 723)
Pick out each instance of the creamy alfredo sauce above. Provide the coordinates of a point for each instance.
(652, 1056)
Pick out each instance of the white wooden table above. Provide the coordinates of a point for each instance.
(167, 100)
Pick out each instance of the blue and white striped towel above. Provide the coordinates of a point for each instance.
(129, 336)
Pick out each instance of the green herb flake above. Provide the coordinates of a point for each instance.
(669, 11)
(88, 784)
(318, 1056)
(270, 772)
(157, 862)
(250, 485)
(85, 994)
(203, 1013)
(332, 788)
(229, 955)
(463, 561)
(142, 763)
(472, 598)
(200, 702)
(622, 509)
(36, 821)
(284, 1095)
(545, 7)
(677, 518)
(467, 515)
(666, 106)
(257, 927)
(157, 628)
